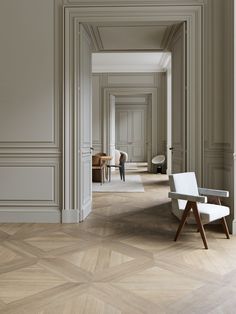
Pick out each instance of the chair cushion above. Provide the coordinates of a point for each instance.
(211, 212)
(183, 183)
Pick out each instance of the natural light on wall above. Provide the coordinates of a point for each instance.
(129, 62)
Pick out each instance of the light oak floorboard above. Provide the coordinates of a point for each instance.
(121, 260)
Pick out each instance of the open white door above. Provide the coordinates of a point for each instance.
(77, 165)
(178, 66)
(169, 116)
(85, 125)
(112, 128)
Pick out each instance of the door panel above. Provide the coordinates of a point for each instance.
(178, 102)
(138, 141)
(131, 131)
(122, 131)
(112, 128)
(85, 127)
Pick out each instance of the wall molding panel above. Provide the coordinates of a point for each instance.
(132, 2)
(31, 215)
(31, 127)
(47, 133)
(96, 112)
(29, 182)
(132, 80)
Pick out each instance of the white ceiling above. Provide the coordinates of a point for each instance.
(129, 62)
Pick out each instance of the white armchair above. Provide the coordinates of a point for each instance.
(188, 199)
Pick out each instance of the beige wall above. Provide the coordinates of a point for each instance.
(30, 149)
(218, 97)
(228, 103)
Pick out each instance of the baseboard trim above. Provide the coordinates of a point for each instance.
(85, 211)
(234, 227)
(70, 216)
(30, 215)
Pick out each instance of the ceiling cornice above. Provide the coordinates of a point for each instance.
(170, 35)
(123, 3)
(95, 37)
(165, 60)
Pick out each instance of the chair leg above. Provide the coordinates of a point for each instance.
(183, 219)
(200, 225)
(101, 173)
(225, 227)
(120, 170)
(109, 173)
(123, 172)
(216, 200)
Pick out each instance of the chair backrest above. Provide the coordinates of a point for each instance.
(159, 159)
(117, 157)
(96, 161)
(124, 156)
(183, 183)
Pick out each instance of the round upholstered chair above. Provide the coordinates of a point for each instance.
(159, 162)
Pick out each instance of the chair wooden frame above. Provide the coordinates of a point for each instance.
(192, 201)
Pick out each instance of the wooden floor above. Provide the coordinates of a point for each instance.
(122, 259)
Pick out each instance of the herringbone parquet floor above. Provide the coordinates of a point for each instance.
(122, 259)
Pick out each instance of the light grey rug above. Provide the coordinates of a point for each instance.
(131, 166)
(132, 184)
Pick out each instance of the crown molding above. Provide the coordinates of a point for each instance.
(132, 2)
(166, 57)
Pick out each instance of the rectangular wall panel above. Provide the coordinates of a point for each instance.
(178, 119)
(30, 110)
(96, 110)
(131, 79)
(87, 178)
(27, 183)
(27, 72)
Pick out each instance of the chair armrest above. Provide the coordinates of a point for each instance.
(187, 197)
(211, 192)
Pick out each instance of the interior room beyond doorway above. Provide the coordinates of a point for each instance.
(134, 86)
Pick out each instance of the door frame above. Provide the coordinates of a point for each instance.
(74, 15)
(130, 109)
(152, 112)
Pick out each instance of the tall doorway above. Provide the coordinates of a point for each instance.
(131, 133)
(76, 130)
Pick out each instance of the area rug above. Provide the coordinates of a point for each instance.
(132, 184)
(131, 166)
